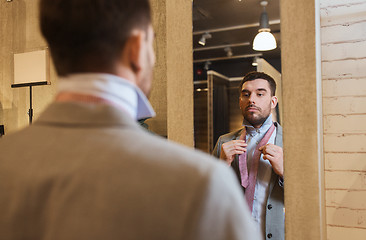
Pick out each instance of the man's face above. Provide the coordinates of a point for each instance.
(256, 101)
(144, 80)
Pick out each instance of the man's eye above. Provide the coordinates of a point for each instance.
(260, 94)
(245, 95)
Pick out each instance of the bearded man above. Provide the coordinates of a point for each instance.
(85, 169)
(255, 153)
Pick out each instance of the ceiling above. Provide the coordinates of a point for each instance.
(232, 23)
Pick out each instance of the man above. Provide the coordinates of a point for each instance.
(255, 153)
(85, 169)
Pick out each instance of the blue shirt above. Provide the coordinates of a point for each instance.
(253, 137)
(110, 87)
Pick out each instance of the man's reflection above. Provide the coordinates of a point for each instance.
(255, 153)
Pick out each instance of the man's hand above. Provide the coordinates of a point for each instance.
(229, 149)
(274, 154)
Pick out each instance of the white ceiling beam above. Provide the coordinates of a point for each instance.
(228, 58)
(250, 25)
(221, 46)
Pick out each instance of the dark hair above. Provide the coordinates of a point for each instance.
(83, 34)
(259, 75)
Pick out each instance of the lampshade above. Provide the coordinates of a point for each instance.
(264, 41)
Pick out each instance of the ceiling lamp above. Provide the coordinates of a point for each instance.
(264, 40)
(228, 51)
(205, 36)
(255, 61)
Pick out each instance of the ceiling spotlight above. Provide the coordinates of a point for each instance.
(264, 40)
(207, 65)
(228, 51)
(205, 36)
(255, 61)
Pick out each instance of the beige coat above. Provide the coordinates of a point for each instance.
(90, 172)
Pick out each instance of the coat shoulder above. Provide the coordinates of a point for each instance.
(231, 135)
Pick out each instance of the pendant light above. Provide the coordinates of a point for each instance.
(264, 40)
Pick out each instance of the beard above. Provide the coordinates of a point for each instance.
(145, 78)
(147, 82)
(256, 119)
(148, 73)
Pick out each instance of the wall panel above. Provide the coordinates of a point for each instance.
(344, 104)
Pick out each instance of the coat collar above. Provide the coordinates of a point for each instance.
(84, 115)
(278, 138)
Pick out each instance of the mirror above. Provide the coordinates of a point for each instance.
(223, 35)
(227, 30)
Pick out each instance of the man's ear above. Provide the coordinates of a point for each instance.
(132, 51)
(274, 101)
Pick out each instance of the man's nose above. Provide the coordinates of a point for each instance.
(252, 98)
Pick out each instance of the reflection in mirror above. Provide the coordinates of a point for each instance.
(232, 27)
(223, 34)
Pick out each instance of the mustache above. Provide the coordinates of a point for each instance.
(252, 106)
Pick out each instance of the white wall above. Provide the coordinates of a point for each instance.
(264, 66)
(343, 30)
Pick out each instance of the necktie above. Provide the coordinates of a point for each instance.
(243, 169)
(248, 180)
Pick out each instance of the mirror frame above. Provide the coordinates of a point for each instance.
(302, 107)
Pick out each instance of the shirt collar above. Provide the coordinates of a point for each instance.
(112, 88)
(265, 126)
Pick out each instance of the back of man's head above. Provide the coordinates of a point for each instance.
(86, 34)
